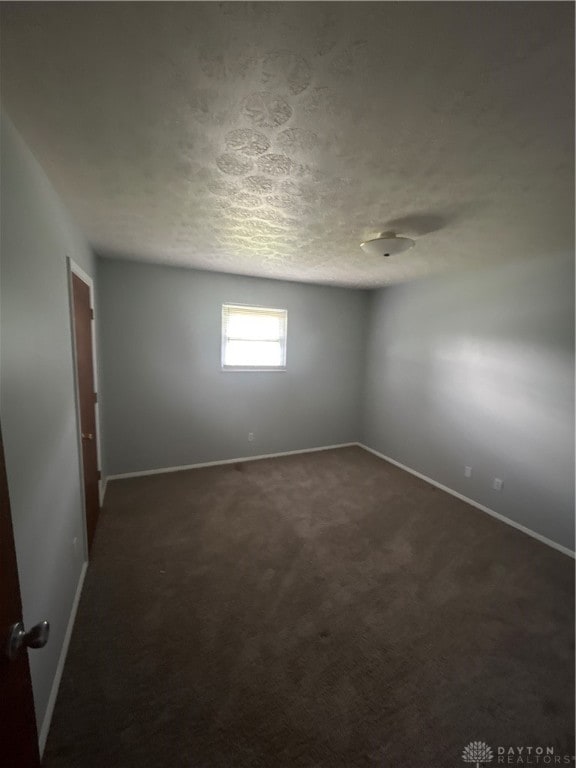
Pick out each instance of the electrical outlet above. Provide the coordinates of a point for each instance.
(250, 437)
(497, 484)
(467, 471)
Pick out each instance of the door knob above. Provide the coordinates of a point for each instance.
(37, 637)
(87, 436)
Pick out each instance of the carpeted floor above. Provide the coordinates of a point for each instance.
(325, 610)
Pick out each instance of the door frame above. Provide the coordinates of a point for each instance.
(75, 269)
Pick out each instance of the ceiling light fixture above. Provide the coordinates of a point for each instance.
(387, 244)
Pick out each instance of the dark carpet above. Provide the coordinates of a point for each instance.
(322, 610)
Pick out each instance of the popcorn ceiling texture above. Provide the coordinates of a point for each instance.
(271, 138)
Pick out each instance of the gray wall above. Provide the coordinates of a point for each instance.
(37, 400)
(478, 369)
(165, 400)
(471, 369)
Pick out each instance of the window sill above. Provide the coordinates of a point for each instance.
(240, 369)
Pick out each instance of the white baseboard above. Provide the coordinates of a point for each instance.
(460, 496)
(445, 488)
(183, 467)
(102, 489)
(43, 733)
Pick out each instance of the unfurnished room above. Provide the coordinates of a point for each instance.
(287, 384)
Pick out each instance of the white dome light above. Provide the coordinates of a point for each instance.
(387, 244)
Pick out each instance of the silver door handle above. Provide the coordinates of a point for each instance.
(37, 637)
(87, 436)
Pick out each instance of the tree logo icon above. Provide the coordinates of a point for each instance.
(477, 752)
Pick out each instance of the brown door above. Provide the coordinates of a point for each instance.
(83, 318)
(18, 737)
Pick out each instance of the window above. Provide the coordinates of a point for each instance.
(253, 338)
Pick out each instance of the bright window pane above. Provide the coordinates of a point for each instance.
(258, 327)
(253, 337)
(253, 353)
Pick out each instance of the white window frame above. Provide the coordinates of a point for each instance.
(252, 368)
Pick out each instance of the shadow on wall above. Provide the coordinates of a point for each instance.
(477, 369)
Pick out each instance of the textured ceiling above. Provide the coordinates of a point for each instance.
(271, 138)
